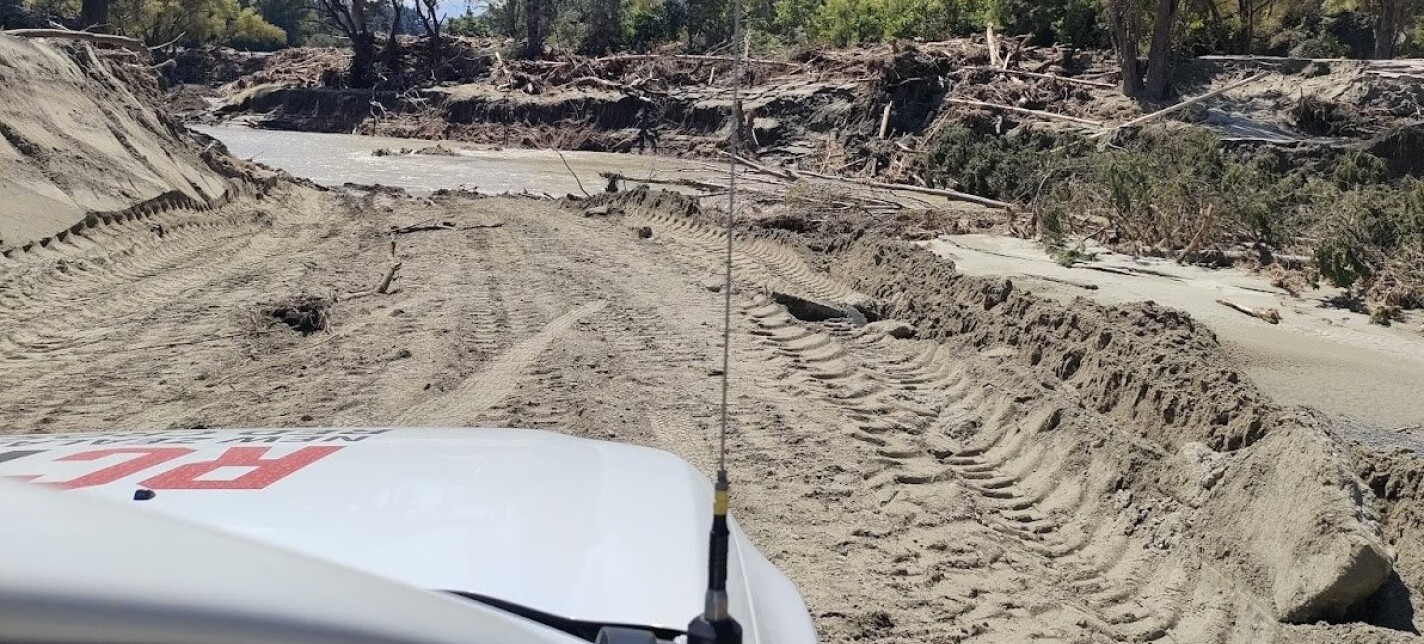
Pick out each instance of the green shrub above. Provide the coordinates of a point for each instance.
(1071, 22)
(1365, 232)
(1359, 168)
(1009, 167)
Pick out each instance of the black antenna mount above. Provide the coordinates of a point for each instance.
(715, 625)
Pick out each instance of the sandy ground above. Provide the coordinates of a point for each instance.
(1321, 356)
(989, 466)
(530, 315)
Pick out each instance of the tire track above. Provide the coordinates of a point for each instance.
(499, 378)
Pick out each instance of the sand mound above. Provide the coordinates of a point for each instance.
(77, 139)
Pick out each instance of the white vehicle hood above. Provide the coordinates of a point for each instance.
(578, 528)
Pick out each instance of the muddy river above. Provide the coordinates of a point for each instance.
(334, 159)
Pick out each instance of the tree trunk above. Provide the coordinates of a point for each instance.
(363, 46)
(1159, 57)
(1387, 30)
(534, 39)
(392, 47)
(363, 60)
(1247, 15)
(1122, 18)
(94, 15)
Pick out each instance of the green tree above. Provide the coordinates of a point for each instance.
(194, 22)
(293, 17)
(15, 15)
(604, 22)
(709, 22)
(850, 22)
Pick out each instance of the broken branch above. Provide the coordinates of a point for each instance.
(1197, 238)
(1022, 110)
(571, 171)
(939, 192)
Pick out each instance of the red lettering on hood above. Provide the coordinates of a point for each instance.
(144, 458)
(262, 471)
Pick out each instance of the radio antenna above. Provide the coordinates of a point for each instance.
(715, 625)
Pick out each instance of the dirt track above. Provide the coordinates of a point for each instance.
(894, 480)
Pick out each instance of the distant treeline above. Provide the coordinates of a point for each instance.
(1315, 28)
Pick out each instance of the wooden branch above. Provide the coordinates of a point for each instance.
(1059, 79)
(885, 120)
(688, 57)
(169, 43)
(384, 287)
(1276, 59)
(1270, 315)
(1021, 110)
(1197, 238)
(102, 39)
(571, 171)
(1183, 105)
(422, 226)
(788, 175)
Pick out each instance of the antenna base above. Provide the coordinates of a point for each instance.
(714, 631)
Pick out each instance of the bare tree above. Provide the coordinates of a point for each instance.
(350, 17)
(430, 20)
(1125, 25)
(1159, 55)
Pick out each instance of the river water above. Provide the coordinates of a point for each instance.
(334, 159)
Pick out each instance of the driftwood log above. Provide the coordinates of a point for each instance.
(102, 39)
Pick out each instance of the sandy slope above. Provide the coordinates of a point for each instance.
(76, 139)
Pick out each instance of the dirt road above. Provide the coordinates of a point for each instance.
(894, 480)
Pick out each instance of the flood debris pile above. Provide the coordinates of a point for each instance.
(801, 109)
